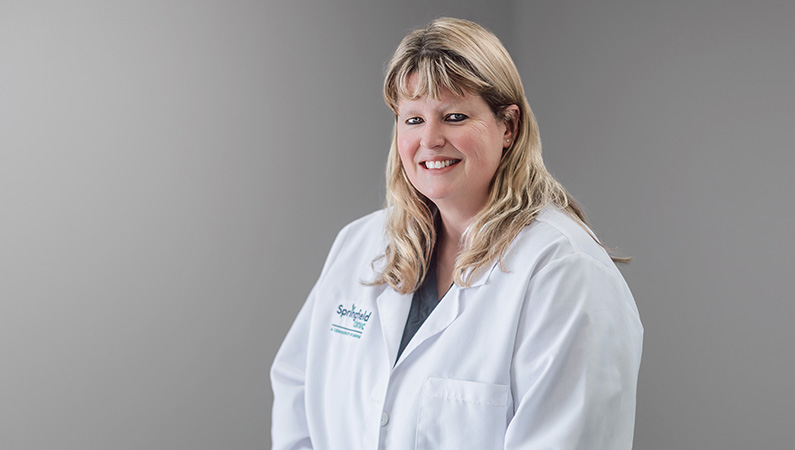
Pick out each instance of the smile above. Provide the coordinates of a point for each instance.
(440, 164)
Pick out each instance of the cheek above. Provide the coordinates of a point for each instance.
(480, 149)
(406, 150)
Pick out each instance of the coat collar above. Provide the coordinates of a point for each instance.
(481, 276)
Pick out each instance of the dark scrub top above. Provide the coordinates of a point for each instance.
(425, 299)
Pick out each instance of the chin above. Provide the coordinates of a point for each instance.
(434, 196)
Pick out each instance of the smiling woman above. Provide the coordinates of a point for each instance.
(477, 310)
(450, 148)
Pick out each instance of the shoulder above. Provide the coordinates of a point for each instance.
(555, 238)
(563, 262)
(373, 221)
(359, 242)
(367, 229)
(555, 234)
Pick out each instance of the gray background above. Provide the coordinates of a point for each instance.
(173, 173)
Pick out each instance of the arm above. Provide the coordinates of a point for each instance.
(290, 430)
(575, 366)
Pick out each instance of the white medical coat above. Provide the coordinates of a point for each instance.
(543, 356)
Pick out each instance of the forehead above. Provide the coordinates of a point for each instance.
(426, 83)
(443, 99)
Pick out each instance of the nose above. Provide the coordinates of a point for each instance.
(432, 136)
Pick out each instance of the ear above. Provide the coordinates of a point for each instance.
(510, 116)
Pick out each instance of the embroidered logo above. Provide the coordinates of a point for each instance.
(351, 321)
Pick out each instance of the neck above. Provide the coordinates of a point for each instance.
(454, 222)
(451, 230)
(448, 246)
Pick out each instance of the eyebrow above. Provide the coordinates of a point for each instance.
(441, 107)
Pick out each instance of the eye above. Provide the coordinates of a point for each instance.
(413, 121)
(456, 117)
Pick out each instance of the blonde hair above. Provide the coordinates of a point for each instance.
(461, 56)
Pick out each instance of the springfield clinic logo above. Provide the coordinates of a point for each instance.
(351, 321)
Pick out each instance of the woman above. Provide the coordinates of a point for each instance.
(477, 311)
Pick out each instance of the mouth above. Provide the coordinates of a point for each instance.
(436, 165)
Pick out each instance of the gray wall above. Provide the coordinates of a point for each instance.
(173, 173)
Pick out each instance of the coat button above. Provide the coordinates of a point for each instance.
(384, 419)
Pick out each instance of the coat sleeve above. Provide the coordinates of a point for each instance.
(576, 360)
(289, 428)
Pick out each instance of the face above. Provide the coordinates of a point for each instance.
(450, 149)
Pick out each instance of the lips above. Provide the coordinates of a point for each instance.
(440, 164)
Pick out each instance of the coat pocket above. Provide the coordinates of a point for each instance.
(458, 414)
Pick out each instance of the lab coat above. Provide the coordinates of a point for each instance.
(544, 355)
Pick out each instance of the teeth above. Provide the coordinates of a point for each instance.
(437, 164)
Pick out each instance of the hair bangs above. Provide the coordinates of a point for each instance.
(428, 74)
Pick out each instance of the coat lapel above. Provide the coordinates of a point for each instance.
(393, 310)
(442, 316)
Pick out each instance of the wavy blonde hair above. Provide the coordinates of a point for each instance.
(459, 55)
